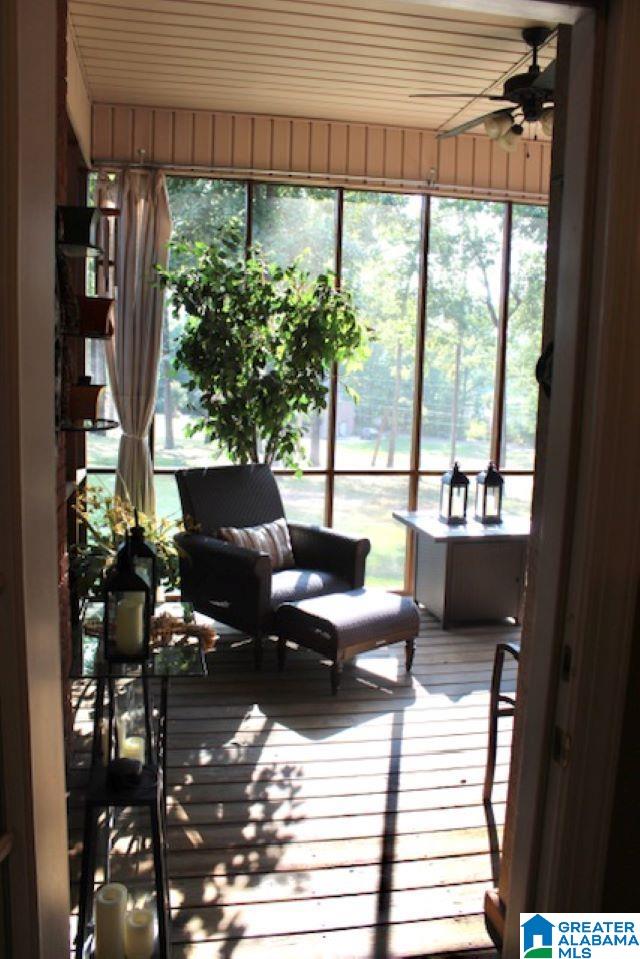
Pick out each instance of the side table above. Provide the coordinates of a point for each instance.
(177, 655)
(468, 573)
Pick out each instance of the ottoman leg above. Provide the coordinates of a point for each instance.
(336, 674)
(282, 652)
(409, 652)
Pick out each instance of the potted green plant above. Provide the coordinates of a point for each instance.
(258, 345)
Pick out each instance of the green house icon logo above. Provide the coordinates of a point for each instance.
(537, 935)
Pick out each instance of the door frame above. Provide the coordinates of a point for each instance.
(33, 780)
(580, 628)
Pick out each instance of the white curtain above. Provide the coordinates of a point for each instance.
(133, 353)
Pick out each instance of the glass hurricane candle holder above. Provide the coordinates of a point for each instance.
(127, 613)
(454, 491)
(143, 556)
(489, 490)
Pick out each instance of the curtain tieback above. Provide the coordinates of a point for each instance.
(133, 436)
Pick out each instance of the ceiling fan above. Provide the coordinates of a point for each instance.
(531, 93)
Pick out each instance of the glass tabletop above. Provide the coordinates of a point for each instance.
(179, 644)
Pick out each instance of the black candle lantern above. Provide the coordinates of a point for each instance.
(489, 487)
(454, 491)
(143, 557)
(127, 612)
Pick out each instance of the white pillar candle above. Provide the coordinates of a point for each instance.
(139, 934)
(111, 908)
(130, 624)
(121, 727)
(133, 747)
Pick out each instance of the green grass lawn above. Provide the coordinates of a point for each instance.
(352, 452)
(363, 507)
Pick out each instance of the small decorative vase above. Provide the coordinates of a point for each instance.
(95, 315)
(83, 400)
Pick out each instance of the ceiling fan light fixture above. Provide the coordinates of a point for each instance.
(510, 140)
(546, 121)
(498, 124)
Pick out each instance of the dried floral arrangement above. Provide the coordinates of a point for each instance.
(163, 629)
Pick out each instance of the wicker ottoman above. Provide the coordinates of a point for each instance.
(341, 625)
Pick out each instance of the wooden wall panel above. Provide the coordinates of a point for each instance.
(101, 127)
(482, 162)
(465, 159)
(123, 134)
(183, 138)
(338, 149)
(411, 155)
(533, 169)
(262, 142)
(300, 144)
(375, 152)
(280, 147)
(515, 179)
(142, 134)
(446, 163)
(393, 153)
(222, 140)
(320, 152)
(242, 141)
(428, 155)
(319, 148)
(78, 99)
(162, 136)
(357, 150)
(202, 139)
(499, 168)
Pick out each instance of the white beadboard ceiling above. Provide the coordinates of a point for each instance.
(344, 60)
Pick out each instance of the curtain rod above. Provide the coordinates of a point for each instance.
(250, 173)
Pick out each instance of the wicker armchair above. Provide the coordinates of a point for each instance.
(237, 586)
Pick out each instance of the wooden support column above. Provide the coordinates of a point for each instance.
(418, 385)
(499, 393)
(332, 412)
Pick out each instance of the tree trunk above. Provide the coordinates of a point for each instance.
(314, 445)
(169, 440)
(381, 429)
(393, 429)
(454, 410)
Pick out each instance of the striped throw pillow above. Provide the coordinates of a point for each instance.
(272, 538)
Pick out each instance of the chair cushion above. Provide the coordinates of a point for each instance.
(270, 538)
(229, 496)
(292, 585)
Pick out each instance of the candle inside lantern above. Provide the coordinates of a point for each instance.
(111, 908)
(104, 741)
(133, 747)
(492, 501)
(121, 728)
(130, 623)
(139, 934)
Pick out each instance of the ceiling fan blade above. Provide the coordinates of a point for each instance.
(547, 79)
(462, 96)
(469, 125)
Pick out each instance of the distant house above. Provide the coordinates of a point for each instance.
(537, 926)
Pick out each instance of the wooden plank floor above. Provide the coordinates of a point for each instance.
(341, 828)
